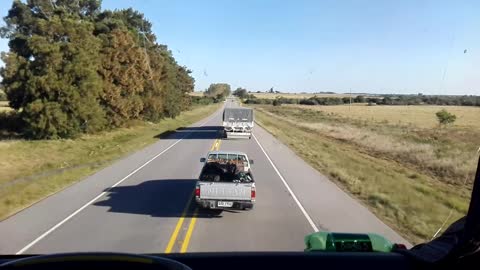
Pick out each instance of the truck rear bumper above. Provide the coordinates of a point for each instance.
(213, 204)
(238, 135)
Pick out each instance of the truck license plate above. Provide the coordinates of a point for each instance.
(225, 204)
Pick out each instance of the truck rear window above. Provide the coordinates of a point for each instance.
(227, 157)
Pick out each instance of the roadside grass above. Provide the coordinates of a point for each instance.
(32, 170)
(411, 201)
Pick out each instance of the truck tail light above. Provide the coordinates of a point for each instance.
(252, 194)
(197, 191)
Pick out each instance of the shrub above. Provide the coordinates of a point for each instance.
(445, 118)
(203, 100)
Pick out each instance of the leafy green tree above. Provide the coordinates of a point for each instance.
(240, 92)
(359, 99)
(445, 118)
(387, 100)
(218, 90)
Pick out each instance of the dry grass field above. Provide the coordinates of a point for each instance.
(422, 116)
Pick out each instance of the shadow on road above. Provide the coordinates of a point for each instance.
(192, 133)
(156, 198)
(202, 128)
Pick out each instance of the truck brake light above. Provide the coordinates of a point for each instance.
(197, 191)
(252, 194)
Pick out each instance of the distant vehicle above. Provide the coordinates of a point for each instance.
(226, 181)
(238, 123)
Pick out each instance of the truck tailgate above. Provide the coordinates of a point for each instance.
(225, 191)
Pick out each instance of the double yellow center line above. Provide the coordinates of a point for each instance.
(193, 220)
(216, 145)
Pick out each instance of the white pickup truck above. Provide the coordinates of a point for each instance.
(226, 181)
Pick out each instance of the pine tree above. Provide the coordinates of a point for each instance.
(51, 70)
(123, 70)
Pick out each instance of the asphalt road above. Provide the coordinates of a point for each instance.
(142, 203)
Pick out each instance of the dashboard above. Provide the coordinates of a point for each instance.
(234, 261)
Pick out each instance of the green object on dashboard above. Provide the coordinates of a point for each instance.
(347, 242)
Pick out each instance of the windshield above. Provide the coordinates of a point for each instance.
(352, 116)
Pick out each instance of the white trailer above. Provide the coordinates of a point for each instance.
(238, 122)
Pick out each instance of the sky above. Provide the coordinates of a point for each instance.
(401, 46)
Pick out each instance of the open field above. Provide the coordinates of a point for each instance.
(4, 106)
(411, 175)
(32, 170)
(421, 116)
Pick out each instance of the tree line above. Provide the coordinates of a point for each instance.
(74, 68)
(215, 93)
(384, 100)
(218, 90)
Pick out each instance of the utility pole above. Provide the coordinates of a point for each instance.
(350, 105)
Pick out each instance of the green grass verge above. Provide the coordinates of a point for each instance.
(32, 170)
(411, 202)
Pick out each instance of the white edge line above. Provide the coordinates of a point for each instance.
(307, 216)
(101, 194)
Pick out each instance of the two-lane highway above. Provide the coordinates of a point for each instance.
(143, 204)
